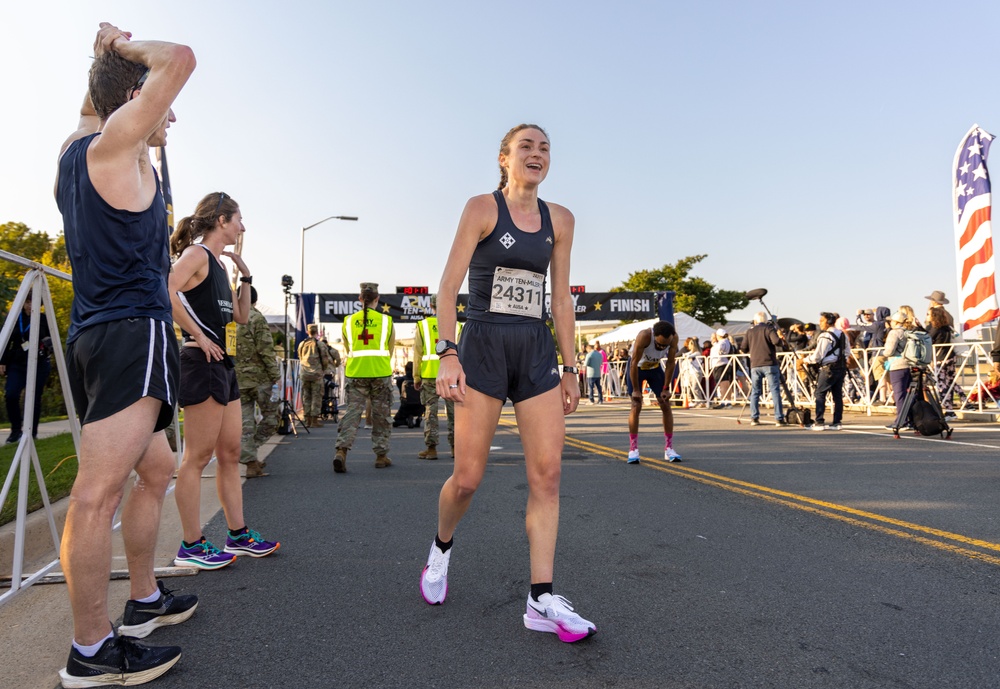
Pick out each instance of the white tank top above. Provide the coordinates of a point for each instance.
(651, 356)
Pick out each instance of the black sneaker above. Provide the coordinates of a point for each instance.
(780, 422)
(140, 619)
(120, 661)
(13, 438)
(754, 422)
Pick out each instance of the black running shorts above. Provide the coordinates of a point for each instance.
(654, 376)
(513, 360)
(201, 379)
(115, 364)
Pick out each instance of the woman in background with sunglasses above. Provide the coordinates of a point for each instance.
(206, 306)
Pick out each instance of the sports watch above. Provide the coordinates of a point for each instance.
(443, 346)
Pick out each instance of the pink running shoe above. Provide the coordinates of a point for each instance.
(434, 578)
(555, 614)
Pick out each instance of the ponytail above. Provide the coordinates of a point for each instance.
(216, 205)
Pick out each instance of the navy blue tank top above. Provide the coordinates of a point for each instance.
(500, 264)
(210, 302)
(120, 258)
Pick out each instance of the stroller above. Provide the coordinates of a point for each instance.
(331, 397)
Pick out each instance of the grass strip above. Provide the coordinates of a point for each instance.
(58, 461)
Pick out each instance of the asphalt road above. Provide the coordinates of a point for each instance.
(768, 558)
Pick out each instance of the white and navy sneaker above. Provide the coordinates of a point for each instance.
(671, 455)
(633, 456)
(434, 578)
(555, 614)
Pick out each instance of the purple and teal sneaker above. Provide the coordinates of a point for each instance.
(250, 543)
(203, 555)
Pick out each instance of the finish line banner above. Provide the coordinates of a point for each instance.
(408, 308)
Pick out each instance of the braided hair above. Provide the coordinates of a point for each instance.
(367, 295)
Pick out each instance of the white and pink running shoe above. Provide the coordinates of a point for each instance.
(555, 614)
(434, 578)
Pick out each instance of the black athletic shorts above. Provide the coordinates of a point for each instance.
(115, 364)
(654, 376)
(515, 361)
(201, 379)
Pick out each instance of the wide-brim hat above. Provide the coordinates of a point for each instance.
(938, 296)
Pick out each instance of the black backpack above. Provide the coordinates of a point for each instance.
(284, 421)
(925, 419)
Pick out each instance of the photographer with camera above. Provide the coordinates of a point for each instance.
(830, 359)
(761, 341)
(14, 365)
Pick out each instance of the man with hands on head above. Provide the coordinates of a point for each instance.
(121, 353)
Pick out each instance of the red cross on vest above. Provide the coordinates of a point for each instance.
(365, 337)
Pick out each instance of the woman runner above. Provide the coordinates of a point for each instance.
(205, 306)
(507, 241)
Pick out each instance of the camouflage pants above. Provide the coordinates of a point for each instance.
(358, 391)
(312, 397)
(254, 434)
(429, 398)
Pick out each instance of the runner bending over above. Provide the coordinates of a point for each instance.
(650, 348)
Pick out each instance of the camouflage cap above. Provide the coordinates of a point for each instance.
(369, 287)
(434, 300)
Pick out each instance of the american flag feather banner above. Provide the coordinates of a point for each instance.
(971, 204)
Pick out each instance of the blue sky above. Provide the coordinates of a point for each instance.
(804, 147)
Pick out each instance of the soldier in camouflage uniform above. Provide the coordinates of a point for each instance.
(369, 341)
(330, 377)
(256, 372)
(425, 368)
(314, 357)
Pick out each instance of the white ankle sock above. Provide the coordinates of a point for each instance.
(151, 598)
(91, 651)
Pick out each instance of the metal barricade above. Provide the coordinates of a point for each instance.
(25, 456)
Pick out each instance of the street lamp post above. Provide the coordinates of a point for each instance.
(302, 267)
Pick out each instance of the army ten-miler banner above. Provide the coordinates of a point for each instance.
(593, 306)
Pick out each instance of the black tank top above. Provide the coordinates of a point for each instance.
(495, 271)
(210, 302)
(120, 258)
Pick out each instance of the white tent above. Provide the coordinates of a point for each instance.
(685, 324)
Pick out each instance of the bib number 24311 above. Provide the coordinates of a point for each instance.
(518, 292)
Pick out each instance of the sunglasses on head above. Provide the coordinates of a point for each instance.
(222, 197)
(142, 80)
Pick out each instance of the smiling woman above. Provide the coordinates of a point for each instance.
(507, 242)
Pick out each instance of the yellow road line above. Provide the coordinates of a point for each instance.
(822, 508)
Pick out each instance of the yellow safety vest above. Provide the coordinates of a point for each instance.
(427, 330)
(369, 355)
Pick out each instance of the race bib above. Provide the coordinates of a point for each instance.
(231, 338)
(518, 292)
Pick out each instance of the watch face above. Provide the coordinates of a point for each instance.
(442, 345)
